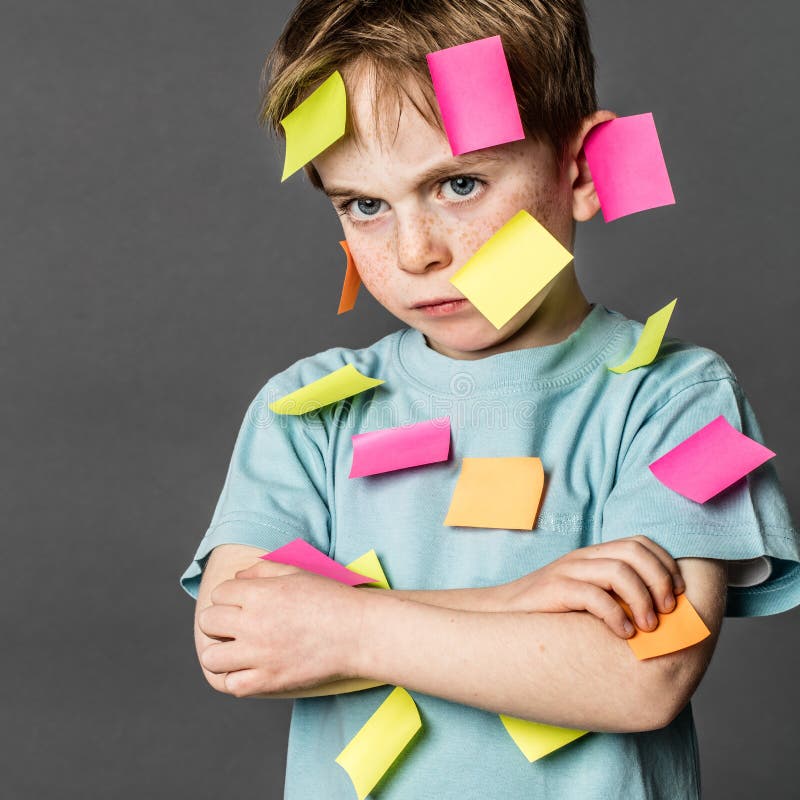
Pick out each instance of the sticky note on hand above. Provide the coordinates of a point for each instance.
(650, 340)
(378, 744)
(343, 382)
(709, 461)
(315, 124)
(627, 166)
(511, 268)
(497, 493)
(406, 446)
(535, 739)
(475, 95)
(299, 553)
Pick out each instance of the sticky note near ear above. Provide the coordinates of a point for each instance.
(536, 739)
(709, 461)
(299, 553)
(681, 628)
(385, 735)
(315, 124)
(650, 340)
(390, 449)
(369, 564)
(352, 282)
(475, 95)
(343, 382)
(497, 493)
(511, 268)
(627, 166)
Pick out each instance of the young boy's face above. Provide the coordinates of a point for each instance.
(413, 214)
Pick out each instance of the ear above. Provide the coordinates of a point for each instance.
(585, 203)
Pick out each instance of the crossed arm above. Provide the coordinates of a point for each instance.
(549, 646)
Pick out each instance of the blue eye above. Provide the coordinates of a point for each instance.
(461, 188)
(365, 207)
(462, 185)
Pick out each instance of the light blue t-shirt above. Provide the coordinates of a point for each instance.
(596, 432)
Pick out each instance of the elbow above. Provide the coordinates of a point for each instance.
(664, 693)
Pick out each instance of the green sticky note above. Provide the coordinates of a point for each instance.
(369, 564)
(315, 124)
(535, 739)
(343, 382)
(649, 342)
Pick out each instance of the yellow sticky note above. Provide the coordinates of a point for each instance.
(368, 564)
(536, 739)
(385, 735)
(650, 340)
(497, 493)
(682, 627)
(315, 124)
(511, 268)
(343, 382)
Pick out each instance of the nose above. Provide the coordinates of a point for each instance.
(421, 243)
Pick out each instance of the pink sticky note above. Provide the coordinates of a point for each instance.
(476, 98)
(399, 448)
(709, 461)
(299, 553)
(627, 166)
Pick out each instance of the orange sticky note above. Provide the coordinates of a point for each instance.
(681, 628)
(497, 493)
(352, 282)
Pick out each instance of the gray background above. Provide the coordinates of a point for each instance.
(155, 274)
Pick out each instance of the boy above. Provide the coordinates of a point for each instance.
(484, 621)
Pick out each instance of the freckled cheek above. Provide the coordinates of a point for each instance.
(375, 264)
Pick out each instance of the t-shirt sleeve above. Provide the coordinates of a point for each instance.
(276, 488)
(750, 520)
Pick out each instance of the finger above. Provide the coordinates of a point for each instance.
(266, 569)
(678, 583)
(229, 593)
(223, 657)
(241, 683)
(618, 576)
(600, 604)
(220, 622)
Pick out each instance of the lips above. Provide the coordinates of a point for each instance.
(437, 301)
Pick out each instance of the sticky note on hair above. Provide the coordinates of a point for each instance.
(497, 493)
(709, 461)
(315, 124)
(343, 382)
(385, 735)
(649, 341)
(511, 268)
(681, 628)
(475, 95)
(299, 553)
(535, 739)
(627, 166)
(390, 449)
(369, 564)
(352, 282)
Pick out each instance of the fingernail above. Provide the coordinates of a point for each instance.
(669, 602)
(651, 620)
(628, 628)
(679, 584)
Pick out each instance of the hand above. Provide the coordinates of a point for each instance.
(636, 569)
(278, 628)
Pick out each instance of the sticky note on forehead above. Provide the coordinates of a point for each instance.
(475, 95)
(627, 166)
(315, 124)
(511, 268)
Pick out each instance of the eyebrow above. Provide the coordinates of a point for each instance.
(461, 165)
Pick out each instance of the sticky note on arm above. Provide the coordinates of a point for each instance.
(299, 553)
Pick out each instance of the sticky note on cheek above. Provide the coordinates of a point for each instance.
(352, 282)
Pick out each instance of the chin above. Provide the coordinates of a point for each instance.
(465, 338)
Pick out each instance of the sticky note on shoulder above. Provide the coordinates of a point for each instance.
(709, 461)
(650, 340)
(511, 268)
(681, 628)
(299, 553)
(535, 739)
(337, 385)
(475, 95)
(379, 743)
(315, 124)
(627, 166)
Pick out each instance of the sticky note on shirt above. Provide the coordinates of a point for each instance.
(511, 268)
(681, 628)
(369, 564)
(385, 735)
(497, 493)
(351, 285)
(627, 166)
(343, 382)
(299, 553)
(390, 449)
(650, 340)
(709, 461)
(315, 124)
(475, 95)
(536, 739)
